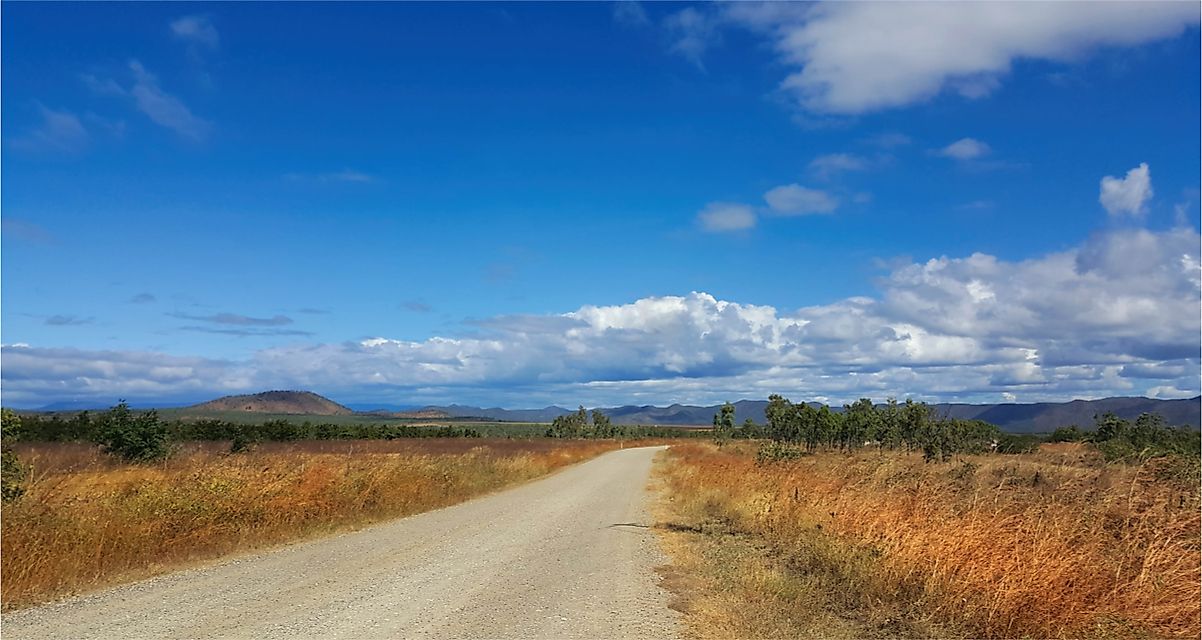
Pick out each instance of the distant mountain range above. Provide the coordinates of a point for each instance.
(1041, 417)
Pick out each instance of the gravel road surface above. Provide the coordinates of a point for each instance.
(567, 556)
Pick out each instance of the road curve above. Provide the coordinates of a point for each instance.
(567, 556)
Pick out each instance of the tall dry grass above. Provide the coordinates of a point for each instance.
(1053, 544)
(88, 520)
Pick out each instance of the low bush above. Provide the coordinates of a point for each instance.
(136, 437)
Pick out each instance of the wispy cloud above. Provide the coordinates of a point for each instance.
(977, 205)
(67, 320)
(796, 200)
(828, 165)
(416, 306)
(237, 319)
(692, 32)
(60, 131)
(249, 332)
(890, 140)
(344, 176)
(25, 230)
(142, 298)
(196, 30)
(724, 217)
(965, 149)
(631, 14)
(162, 108)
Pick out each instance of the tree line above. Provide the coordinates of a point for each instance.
(1124, 440)
(595, 424)
(119, 423)
(794, 428)
(909, 426)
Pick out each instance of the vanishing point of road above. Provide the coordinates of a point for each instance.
(567, 556)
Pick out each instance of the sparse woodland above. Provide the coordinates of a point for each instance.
(890, 521)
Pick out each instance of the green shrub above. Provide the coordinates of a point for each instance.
(244, 441)
(12, 473)
(136, 437)
(1071, 433)
(773, 451)
(1010, 443)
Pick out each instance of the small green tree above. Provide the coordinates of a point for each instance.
(782, 419)
(860, 422)
(12, 472)
(136, 437)
(724, 424)
(602, 427)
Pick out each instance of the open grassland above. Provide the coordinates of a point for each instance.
(1048, 544)
(88, 520)
(486, 428)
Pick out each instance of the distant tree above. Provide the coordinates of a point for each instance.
(602, 427)
(889, 434)
(572, 425)
(1109, 427)
(1071, 433)
(915, 418)
(724, 424)
(782, 419)
(860, 421)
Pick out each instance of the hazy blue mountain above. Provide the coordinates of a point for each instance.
(545, 414)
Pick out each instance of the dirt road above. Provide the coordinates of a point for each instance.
(567, 556)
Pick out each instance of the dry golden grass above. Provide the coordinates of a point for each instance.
(88, 521)
(1053, 544)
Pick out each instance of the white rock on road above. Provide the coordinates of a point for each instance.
(567, 556)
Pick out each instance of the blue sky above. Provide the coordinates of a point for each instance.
(521, 204)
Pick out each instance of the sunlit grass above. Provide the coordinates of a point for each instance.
(88, 520)
(1052, 544)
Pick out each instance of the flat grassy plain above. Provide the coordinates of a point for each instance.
(1053, 544)
(88, 520)
(486, 428)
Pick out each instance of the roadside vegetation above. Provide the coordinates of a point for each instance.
(135, 502)
(891, 522)
(88, 426)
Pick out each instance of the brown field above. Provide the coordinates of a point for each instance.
(1051, 544)
(88, 520)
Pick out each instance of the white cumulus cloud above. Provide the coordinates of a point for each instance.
(1118, 315)
(855, 57)
(1128, 195)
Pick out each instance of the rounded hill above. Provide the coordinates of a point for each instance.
(299, 402)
